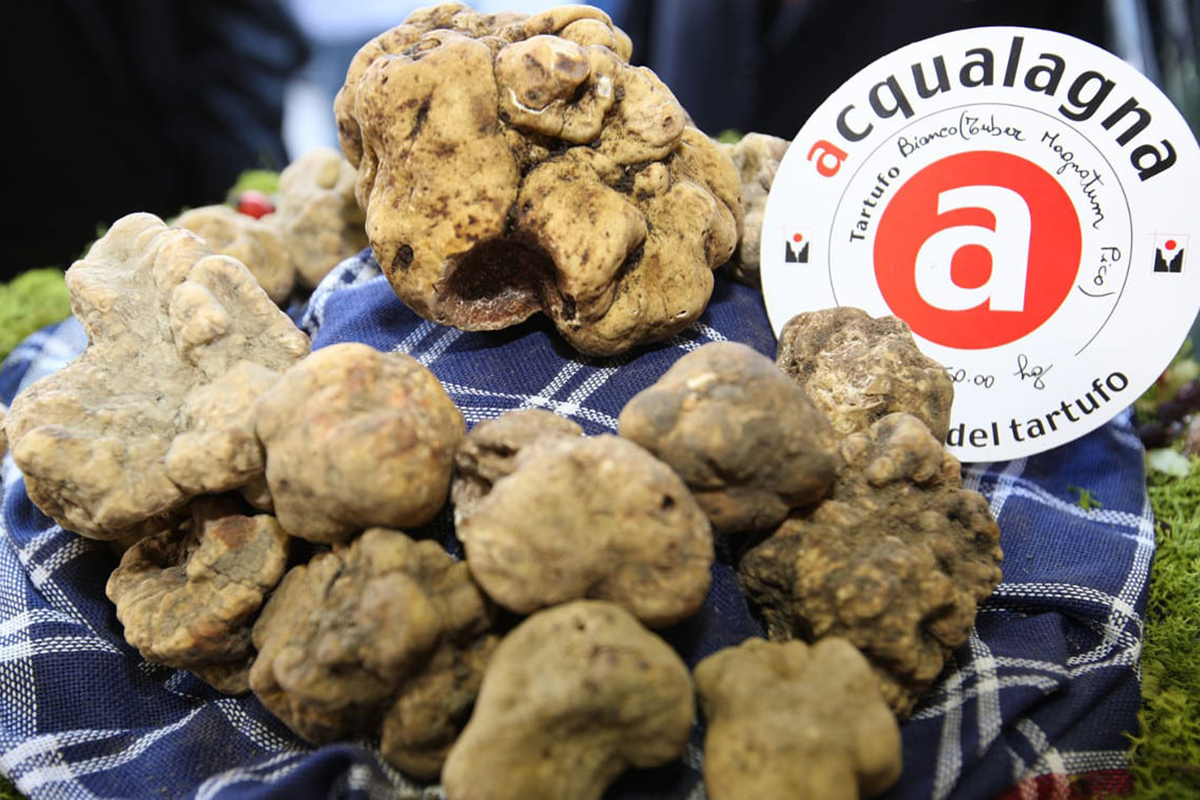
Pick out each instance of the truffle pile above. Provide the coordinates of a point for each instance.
(199, 434)
(314, 223)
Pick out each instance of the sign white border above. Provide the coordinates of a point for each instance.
(1124, 161)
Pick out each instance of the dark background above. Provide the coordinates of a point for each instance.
(115, 106)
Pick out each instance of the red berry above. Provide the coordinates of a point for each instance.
(255, 204)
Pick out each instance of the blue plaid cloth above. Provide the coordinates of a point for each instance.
(1042, 693)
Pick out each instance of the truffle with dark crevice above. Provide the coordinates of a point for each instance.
(509, 165)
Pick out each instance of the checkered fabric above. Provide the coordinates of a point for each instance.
(1037, 703)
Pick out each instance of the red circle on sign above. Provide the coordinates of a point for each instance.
(977, 250)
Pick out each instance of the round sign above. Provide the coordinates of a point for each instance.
(1021, 199)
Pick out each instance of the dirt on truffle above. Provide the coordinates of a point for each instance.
(858, 368)
(511, 165)
(744, 437)
(382, 636)
(896, 559)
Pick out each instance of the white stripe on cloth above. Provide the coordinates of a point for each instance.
(1095, 760)
(18, 621)
(440, 345)
(1005, 480)
(39, 777)
(988, 717)
(948, 765)
(409, 343)
(709, 332)
(1041, 682)
(55, 645)
(545, 397)
(1049, 763)
(1123, 519)
(264, 772)
(18, 712)
(405, 788)
(1120, 633)
(255, 731)
(353, 271)
(41, 576)
(1016, 672)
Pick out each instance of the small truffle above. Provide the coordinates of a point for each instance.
(511, 165)
(757, 157)
(256, 243)
(896, 559)
(789, 720)
(189, 596)
(596, 518)
(158, 408)
(488, 452)
(573, 697)
(858, 368)
(383, 635)
(743, 436)
(356, 438)
(317, 214)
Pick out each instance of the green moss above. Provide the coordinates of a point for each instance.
(729, 136)
(1166, 751)
(8, 791)
(30, 301)
(1183, 368)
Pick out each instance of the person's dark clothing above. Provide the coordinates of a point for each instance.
(133, 105)
(765, 65)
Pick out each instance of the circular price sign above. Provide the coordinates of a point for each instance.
(1023, 200)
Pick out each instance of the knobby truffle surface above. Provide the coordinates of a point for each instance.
(790, 720)
(590, 517)
(158, 408)
(188, 597)
(490, 449)
(895, 560)
(509, 165)
(858, 368)
(384, 635)
(573, 697)
(356, 438)
(744, 437)
(756, 157)
(317, 214)
(256, 243)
